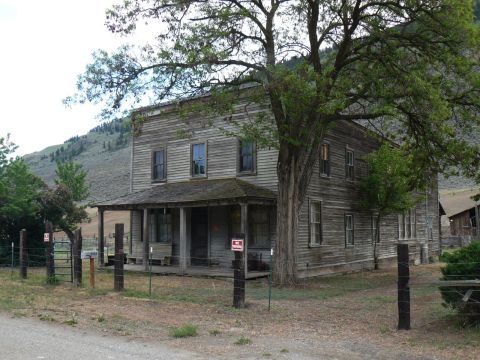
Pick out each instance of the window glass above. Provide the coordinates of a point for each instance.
(316, 223)
(325, 160)
(198, 160)
(246, 154)
(349, 165)
(349, 230)
(161, 226)
(158, 165)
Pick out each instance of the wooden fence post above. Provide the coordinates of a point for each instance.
(77, 258)
(23, 254)
(119, 258)
(239, 278)
(49, 253)
(403, 287)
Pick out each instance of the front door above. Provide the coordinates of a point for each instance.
(199, 237)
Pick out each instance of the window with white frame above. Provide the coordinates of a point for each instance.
(407, 225)
(316, 237)
(349, 165)
(349, 230)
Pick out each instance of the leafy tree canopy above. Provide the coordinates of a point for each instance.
(408, 68)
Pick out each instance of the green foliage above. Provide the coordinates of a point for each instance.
(20, 202)
(400, 65)
(388, 187)
(186, 330)
(243, 341)
(72, 176)
(463, 264)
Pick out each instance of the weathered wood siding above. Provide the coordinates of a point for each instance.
(338, 195)
(163, 130)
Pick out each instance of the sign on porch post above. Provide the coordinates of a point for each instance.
(239, 271)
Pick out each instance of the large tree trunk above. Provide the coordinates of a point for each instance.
(288, 208)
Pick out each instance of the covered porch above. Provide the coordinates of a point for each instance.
(187, 227)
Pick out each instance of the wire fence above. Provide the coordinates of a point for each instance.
(179, 280)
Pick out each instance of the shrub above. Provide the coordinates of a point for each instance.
(184, 331)
(463, 264)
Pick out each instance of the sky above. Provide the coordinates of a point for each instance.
(44, 45)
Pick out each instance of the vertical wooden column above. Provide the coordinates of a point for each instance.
(77, 258)
(239, 280)
(403, 287)
(23, 254)
(49, 253)
(146, 239)
(119, 258)
(101, 238)
(244, 229)
(183, 239)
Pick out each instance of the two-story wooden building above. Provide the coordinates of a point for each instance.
(193, 188)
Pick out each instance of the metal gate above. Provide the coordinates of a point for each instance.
(63, 264)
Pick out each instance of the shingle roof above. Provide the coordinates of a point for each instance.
(458, 201)
(191, 192)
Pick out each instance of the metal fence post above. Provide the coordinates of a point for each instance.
(403, 287)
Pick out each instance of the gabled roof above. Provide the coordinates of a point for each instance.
(193, 192)
(458, 201)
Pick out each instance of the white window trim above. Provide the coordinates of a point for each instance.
(347, 245)
(311, 243)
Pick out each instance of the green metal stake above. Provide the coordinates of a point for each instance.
(270, 280)
(150, 276)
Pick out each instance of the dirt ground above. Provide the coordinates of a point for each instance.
(344, 317)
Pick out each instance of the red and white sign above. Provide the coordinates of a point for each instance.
(46, 237)
(237, 244)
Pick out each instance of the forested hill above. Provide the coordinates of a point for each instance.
(104, 152)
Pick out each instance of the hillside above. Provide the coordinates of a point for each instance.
(104, 152)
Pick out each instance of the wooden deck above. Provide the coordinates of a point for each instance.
(196, 271)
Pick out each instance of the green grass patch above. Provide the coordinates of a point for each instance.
(243, 341)
(186, 330)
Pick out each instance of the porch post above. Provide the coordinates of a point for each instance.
(183, 239)
(146, 240)
(244, 230)
(101, 238)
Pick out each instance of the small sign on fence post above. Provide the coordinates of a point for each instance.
(239, 271)
(46, 237)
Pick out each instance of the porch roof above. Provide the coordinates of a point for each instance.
(192, 193)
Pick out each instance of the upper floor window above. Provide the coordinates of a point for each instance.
(325, 160)
(246, 156)
(158, 165)
(199, 161)
(316, 237)
(349, 227)
(349, 165)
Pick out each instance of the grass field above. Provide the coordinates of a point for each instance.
(360, 306)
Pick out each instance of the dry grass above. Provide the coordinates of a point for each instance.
(361, 306)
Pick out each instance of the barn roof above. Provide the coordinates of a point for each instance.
(458, 201)
(191, 193)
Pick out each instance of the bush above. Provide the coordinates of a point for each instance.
(463, 264)
(184, 331)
